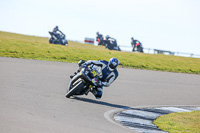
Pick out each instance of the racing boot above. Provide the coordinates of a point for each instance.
(97, 92)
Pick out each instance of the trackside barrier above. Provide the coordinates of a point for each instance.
(156, 51)
(153, 51)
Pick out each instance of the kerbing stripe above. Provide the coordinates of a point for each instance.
(141, 119)
(174, 109)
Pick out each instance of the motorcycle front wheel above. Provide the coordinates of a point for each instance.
(75, 89)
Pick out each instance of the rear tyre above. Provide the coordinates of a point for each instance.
(74, 89)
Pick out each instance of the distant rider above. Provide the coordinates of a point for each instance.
(99, 38)
(55, 32)
(136, 44)
(58, 35)
(108, 39)
(139, 46)
(109, 73)
(133, 43)
(55, 29)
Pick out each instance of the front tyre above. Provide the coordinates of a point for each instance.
(75, 89)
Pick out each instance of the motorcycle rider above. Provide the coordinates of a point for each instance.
(111, 43)
(109, 73)
(55, 32)
(139, 46)
(136, 44)
(133, 43)
(59, 36)
(99, 38)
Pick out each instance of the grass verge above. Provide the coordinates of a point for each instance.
(186, 122)
(32, 47)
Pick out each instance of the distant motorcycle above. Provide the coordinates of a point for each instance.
(139, 47)
(58, 38)
(84, 81)
(111, 44)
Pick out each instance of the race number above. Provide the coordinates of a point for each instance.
(94, 72)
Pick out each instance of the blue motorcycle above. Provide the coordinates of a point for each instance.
(111, 44)
(57, 38)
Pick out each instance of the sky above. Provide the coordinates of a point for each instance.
(172, 25)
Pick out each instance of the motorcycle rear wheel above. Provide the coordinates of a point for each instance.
(76, 88)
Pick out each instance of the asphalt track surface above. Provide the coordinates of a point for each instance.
(32, 97)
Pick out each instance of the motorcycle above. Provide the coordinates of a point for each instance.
(139, 47)
(84, 81)
(57, 38)
(111, 44)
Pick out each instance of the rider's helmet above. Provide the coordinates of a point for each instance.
(97, 33)
(55, 29)
(107, 37)
(113, 63)
(132, 38)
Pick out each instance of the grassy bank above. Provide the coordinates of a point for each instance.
(31, 47)
(186, 122)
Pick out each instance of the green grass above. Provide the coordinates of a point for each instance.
(187, 122)
(32, 47)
